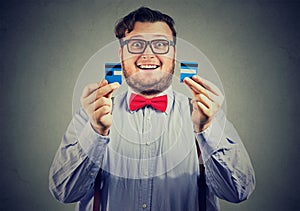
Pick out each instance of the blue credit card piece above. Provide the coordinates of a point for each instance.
(188, 69)
(113, 72)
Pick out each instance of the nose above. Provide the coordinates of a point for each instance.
(148, 53)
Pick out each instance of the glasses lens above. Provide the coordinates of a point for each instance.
(160, 46)
(136, 46)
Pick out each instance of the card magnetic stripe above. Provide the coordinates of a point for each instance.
(113, 65)
(188, 65)
(188, 69)
(113, 72)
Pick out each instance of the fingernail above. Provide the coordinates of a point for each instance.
(116, 85)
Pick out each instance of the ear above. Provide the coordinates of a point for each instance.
(175, 56)
(175, 53)
(120, 52)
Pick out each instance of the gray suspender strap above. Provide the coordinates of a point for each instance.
(96, 204)
(201, 182)
(97, 185)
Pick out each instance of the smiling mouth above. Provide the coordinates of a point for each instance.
(148, 66)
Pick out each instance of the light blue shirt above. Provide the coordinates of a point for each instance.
(149, 160)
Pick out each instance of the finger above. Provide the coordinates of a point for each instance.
(103, 83)
(212, 96)
(104, 91)
(195, 87)
(204, 100)
(207, 85)
(103, 101)
(100, 112)
(109, 95)
(107, 90)
(106, 120)
(90, 88)
(204, 109)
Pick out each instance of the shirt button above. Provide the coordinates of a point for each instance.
(148, 143)
(146, 173)
(91, 174)
(144, 206)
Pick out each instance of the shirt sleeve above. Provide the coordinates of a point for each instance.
(228, 169)
(77, 161)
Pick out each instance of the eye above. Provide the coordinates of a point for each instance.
(160, 44)
(137, 44)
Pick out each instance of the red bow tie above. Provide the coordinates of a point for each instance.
(137, 101)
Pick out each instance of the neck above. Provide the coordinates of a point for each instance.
(148, 93)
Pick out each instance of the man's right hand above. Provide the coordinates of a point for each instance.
(97, 103)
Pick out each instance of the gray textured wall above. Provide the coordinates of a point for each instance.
(253, 45)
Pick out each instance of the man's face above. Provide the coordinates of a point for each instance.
(148, 73)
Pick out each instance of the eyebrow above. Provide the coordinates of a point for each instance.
(155, 35)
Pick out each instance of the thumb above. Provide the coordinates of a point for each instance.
(116, 86)
(102, 83)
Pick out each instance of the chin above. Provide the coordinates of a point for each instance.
(149, 83)
(148, 79)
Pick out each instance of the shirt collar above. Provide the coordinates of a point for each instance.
(168, 92)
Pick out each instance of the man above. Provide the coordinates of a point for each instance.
(142, 142)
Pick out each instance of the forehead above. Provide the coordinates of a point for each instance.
(147, 29)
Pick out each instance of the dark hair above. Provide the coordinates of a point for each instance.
(143, 14)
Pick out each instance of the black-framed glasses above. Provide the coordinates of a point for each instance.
(138, 46)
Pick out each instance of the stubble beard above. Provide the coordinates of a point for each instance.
(143, 83)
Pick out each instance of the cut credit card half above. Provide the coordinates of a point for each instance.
(113, 72)
(188, 69)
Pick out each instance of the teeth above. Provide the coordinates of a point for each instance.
(147, 66)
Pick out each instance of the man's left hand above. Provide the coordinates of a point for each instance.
(207, 100)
